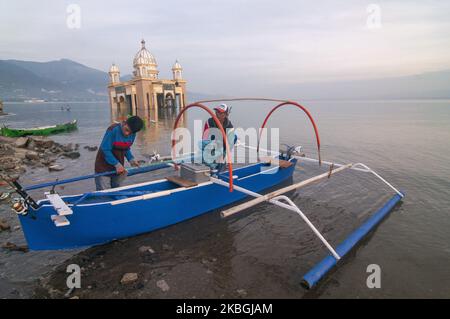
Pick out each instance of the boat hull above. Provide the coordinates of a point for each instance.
(55, 129)
(94, 224)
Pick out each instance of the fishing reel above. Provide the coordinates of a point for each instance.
(20, 207)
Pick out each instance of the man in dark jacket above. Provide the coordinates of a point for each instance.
(115, 147)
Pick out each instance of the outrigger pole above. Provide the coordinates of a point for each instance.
(323, 267)
(277, 197)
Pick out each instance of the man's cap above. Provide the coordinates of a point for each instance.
(135, 123)
(222, 108)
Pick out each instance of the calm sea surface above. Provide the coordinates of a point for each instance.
(407, 142)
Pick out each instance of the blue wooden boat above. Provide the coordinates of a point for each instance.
(95, 218)
(143, 208)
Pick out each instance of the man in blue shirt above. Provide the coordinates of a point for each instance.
(115, 147)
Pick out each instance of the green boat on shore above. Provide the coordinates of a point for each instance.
(42, 131)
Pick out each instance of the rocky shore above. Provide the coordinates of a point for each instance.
(18, 154)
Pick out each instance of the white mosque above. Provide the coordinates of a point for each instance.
(145, 92)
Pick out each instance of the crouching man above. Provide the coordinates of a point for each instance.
(113, 150)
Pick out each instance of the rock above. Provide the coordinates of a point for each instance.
(22, 142)
(146, 249)
(4, 196)
(129, 278)
(46, 161)
(13, 247)
(4, 225)
(55, 168)
(16, 227)
(77, 146)
(74, 297)
(242, 293)
(91, 148)
(162, 284)
(67, 148)
(5, 139)
(32, 156)
(43, 142)
(72, 155)
(20, 153)
(55, 150)
(7, 165)
(166, 247)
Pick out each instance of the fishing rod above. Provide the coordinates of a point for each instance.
(131, 172)
(14, 184)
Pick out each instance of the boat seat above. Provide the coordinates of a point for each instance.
(58, 204)
(60, 221)
(281, 163)
(181, 182)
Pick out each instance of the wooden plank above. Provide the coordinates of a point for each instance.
(277, 162)
(267, 197)
(60, 221)
(181, 182)
(284, 164)
(60, 206)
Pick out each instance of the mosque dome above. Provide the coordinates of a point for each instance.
(177, 66)
(144, 57)
(144, 64)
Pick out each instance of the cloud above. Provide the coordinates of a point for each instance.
(236, 45)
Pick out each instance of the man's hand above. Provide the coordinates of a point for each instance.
(120, 169)
(134, 163)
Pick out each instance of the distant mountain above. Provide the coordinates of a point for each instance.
(55, 80)
(65, 80)
(431, 85)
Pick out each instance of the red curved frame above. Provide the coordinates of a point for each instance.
(219, 125)
(316, 131)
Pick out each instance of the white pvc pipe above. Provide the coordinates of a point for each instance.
(295, 208)
(291, 207)
(354, 167)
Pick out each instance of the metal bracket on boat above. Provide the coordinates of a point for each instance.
(61, 208)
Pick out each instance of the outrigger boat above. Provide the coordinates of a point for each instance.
(41, 131)
(63, 222)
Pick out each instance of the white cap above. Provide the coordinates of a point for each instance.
(222, 108)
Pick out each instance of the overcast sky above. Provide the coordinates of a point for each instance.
(237, 46)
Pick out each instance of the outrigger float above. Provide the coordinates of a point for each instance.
(65, 222)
